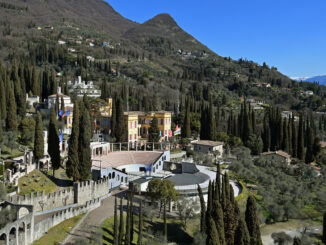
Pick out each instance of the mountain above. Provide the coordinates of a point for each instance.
(320, 79)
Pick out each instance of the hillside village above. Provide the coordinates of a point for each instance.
(131, 133)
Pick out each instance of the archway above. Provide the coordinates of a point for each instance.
(22, 212)
(12, 234)
(3, 239)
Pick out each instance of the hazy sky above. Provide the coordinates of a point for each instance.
(290, 35)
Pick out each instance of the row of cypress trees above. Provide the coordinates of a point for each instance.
(221, 220)
(79, 155)
(124, 233)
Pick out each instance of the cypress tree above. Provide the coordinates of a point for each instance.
(153, 131)
(297, 241)
(38, 151)
(300, 150)
(131, 219)
(165, 229)
(202, 210)
(11, 123)
(212, 235)
(324, 229)
(140, 224)
(3, 103)
(121, 226)
(0, 128)
(127, 235)
(218, 183)
(217, 215)
(35, 83)
(57, 103)
(85, 163)
(53, 142)
(294, 138)
(186, 130)
(114, 118)
(252, 222)
(115, 228)
(120, 122)
(242, 235)
(211, 121)
(72, 165)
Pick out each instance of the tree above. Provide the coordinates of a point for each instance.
(127, 234)
(212, 235)
(120, 127)
(3, 103)
(310, 146)
(255, 144)
(217, 215)
(115, 228)
(84, 150)
(324, 229)
(140, 224)
(53, 142)
(154, 132)
(0, 128)
(252, 222)
(202, 210)
(186, 130)
(72, 165)
(38, 139)
(300, 150)
(211, 121)
(11, 123)
(242, 235)
(121, 226)
(297, 241)
(187, 209)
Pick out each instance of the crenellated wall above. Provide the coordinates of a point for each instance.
(42, 201)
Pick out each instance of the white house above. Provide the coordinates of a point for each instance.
(81, 87)
(208, 146)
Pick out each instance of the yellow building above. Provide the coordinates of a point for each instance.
(164, 123)
(132, 124)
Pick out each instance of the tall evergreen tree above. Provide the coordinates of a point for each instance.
(131, 219)
(11, 122)
(1, 137)
(121, 225)
(324, 229)
(53, 142)
(38, 151)
(186, 130)
(309, 157)
(212, 235)
(218, 182)
(294, 138)
(211, 121)
(252, 222)
(120, 122)
(242, 235)
(83, 146)
(217, 215)
(297, 241)
(72, 165)
(202, 210)
(140, 224)
(153, 131)
(114, 119)
(3, 103)
(300, 150)
(127, 234)
(115, 228)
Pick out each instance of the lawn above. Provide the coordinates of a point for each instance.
(152, 230)
(59, 232)
(36, 181)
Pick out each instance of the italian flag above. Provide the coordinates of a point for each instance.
(59, 74)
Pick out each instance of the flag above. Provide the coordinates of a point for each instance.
(170, 133)
(61, 113)
(149, 168)
(160, 133)
(177, 130)
(68, 113)
(59, 74)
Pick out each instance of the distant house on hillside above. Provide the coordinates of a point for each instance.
(279, 156)
(208, 146)
(307, 93)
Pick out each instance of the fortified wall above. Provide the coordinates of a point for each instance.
(79, 194)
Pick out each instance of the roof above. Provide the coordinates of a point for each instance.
(60, 95)
(208, 143)
(130, 113)
(188, 179)
(120, 158)
(279, 153)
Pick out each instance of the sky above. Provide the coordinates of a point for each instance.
(287, 34)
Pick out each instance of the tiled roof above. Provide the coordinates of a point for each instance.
(280, 153)
(208, 143)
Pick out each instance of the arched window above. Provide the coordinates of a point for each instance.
(113, 175)
(110, 175)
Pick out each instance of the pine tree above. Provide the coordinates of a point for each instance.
(11, 123)
(217, 215)
(218, 183)
(83, 146)
(202, 210)
(252, 222)
(53, 142)
(209, 205)
(72, 165)
(211, 121)
(310, 143)
(121, 226)
(165, 229)
(115, 228)
(38, 139)
(140, 224)
(1, 138)
(131, 219)
(114, 119)
(212, 235)
(242, 235)
(294, 138)
(120, 122)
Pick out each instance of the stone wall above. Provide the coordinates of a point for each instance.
(42, 201)
(42, 227)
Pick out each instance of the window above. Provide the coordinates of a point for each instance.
(130, 125)
(135, 124)
(165, 132)
(160, 163)
(162, 121)
(118, 177)
(110, 176)
(121, 179)
(135, 136)
(126, 179)
(113, 175)
(130, 137)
